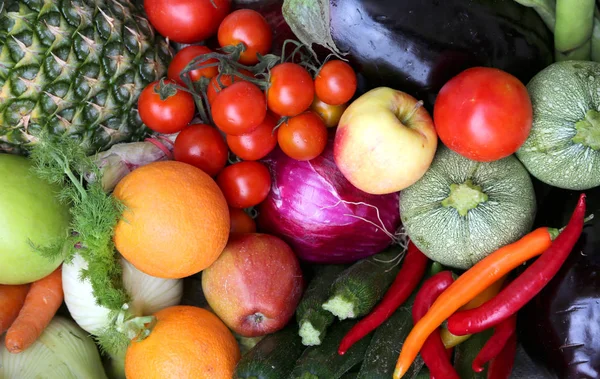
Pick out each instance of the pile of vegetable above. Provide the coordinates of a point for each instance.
(298, 189)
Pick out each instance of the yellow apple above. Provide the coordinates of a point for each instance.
(385, 141)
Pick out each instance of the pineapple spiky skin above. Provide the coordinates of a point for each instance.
(75, 67)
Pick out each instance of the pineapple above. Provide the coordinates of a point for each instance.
(75, 67)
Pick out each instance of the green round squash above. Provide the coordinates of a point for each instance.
(29, 213)
(461, 210)
(563, 148)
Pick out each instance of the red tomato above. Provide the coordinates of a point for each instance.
(331, 114)
(303, 137)
(241, 222)
(214, 88)
(245, 184)
(256, 144)
(185, 56)
(165, 109)
(483, 114)
(291, 89)
(202, 146)
(239, 108)
(250, 28)
(186, 21)
(336, 83)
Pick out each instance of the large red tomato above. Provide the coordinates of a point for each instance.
(187, 21)
(483, 114)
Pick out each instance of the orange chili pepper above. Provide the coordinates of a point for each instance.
(468, 286)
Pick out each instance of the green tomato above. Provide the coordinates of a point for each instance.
(29, 212)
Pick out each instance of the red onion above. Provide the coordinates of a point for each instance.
(323, 217)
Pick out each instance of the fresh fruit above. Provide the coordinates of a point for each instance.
(186, 343)
(462, 210)
(176, 221)
(29, 213)
(216, 84)
(187, 21)
(85, 83)
(201, 146)
(483, 113)
(256, 144)
(239, 108)
(245, 184)
(250, 28)
(185, 56)
(164, 108)
(331, 114)
(395, 133)
(241, 222)
(291, 89)
(335, 83)
(303, 137)
(255, 285)
(563, 149)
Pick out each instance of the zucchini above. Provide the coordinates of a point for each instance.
(465, 353)
(324, 362)
(312, 319)
(360, 287)
(382, 354)
(273, 357)
(461, 210)
(563, 147)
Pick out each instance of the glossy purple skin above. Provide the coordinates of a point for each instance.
(314, 209)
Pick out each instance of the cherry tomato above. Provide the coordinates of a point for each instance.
(331, 114)
(202, 146)
(187, 21)
(245, 184)
(483, 114)
(165, 109)
(303, 137)
(250, 28)
(239, 108)
(185, 56)
(214, 88)
(256, 144)
(291, 89)
(336, 83)
(241, 222)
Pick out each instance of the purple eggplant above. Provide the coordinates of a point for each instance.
(560, 328)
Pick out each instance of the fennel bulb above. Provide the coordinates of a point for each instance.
(113, 329)
(63, 351)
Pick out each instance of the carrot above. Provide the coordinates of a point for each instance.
(12, 299)
(468, 286)
(43, 300)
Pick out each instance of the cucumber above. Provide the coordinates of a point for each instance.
(382, 354)
(273, 357)
(360, 287)
(323, 361)
(312, 319)
(465, 353)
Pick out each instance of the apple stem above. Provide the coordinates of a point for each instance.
(418, 105)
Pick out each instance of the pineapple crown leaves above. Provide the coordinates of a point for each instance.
(94, 215)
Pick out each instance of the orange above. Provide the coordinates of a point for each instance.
(176, 221)
(186, 342)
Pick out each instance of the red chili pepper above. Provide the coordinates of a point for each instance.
(501, 366)
(433, 352)
(407, 279)
(521, 290)
(496, 343)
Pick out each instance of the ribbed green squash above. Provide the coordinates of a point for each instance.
(461, 210)
(563, 148)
